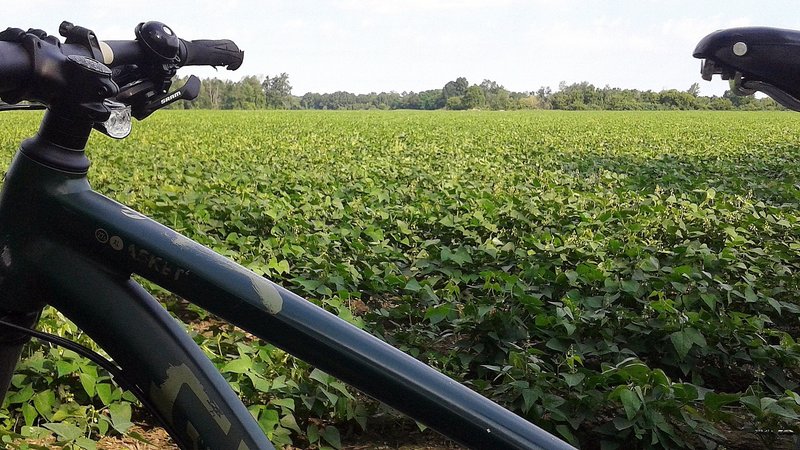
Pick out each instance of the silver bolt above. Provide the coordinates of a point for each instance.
(739, 49)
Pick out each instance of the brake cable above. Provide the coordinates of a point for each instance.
(120, 377)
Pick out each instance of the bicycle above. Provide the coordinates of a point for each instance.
(65, 245)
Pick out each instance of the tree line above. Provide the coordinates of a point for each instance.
(267, 92)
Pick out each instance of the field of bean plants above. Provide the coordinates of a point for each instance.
(624, 280)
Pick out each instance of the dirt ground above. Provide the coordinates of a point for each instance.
(158, 439)
(397, 439)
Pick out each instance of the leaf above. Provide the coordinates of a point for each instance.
(331, 436)
(290, 422)
(279, 267)
(65, 367)
(635, 371)
(238, 365)
(88, 382)
(413, 285)
(103, 425)
(320, 376)
(630, 286)
(630, 402)
(259, 383)
(139, 437)
(29, 413)
(621, 423)
(650, 264)
(312, 433)
(85, 443)
(120, 416)
(775, 305)
(287, 403)
(44, 402)
(714, 401)
(566, 433)
(710, 300)
(460, 256)
(571, 275)
(64, 430)
(268, 420)
(61, 413)
(752, 402)
(686, 392)
(695, 336)
(104, 392)
(681, 342)
(573, 379)
(438, 313)
(777, 409)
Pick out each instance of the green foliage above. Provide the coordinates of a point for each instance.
(623, 278)
(275, 93)
(58, 392)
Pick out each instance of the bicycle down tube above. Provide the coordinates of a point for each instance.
(121, 241)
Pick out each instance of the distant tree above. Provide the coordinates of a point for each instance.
(247, 94)
(490, 87)
(311, 100)
(473, 98)
(212, 94)
(432, 99)
(410, 100)
(720, 104)
(501, 100)
(497, 97)
(277, 91)
(455, 103)
(675, 99)
(529, 102)
(455, 88)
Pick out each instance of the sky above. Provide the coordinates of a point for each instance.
(364, 46)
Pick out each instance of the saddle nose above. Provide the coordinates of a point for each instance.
(756, 58)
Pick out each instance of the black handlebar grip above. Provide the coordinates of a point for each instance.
(207, 52)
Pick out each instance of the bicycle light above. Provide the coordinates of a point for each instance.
(118, 125)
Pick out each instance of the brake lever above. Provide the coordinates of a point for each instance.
(189, 91)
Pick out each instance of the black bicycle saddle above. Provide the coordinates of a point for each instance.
(755, 59)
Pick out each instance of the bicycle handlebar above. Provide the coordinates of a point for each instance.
(204, 52)
(74, 75)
